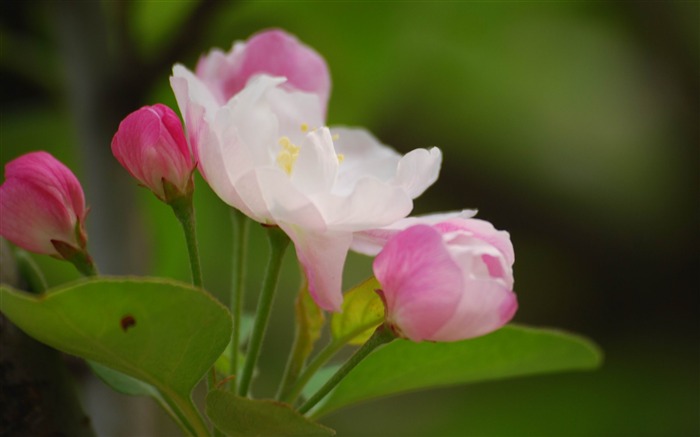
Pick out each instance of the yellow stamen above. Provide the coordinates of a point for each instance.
(341, 158)
(304, 127)
(288, 155)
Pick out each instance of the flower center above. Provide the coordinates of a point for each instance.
(288, 155)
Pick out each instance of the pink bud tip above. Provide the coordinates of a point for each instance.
(42, 202)
(151, 145)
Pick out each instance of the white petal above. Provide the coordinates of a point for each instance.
(371, 241)
(363, 155)
(285, 202)
(295, 109)
(191, 90)
(322, 256)
(418, 170)
(316, 167)
(372, 204)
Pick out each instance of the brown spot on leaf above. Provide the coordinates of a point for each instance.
(127, 322)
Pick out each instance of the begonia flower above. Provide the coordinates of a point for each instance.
(150, 144)
(264, 153)
(446, 281)
(42, 206)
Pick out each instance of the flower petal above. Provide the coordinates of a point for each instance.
(273, 52)
(370, 242)
(485, 306)
(322, 256)
(418, 170)
(371, 204)
(484, 231)
(32, 216)
(421, 283)
(363, 155)
(316, 167)
(42, 169)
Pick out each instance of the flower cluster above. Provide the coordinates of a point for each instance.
(255, 127)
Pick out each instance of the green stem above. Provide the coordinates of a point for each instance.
(291, 393)
(278, 243)
(305, 335)
(240, 232)
(183, 208)
(382, 335)
(190, 414)
(322, 358)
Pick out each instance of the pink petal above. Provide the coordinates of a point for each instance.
(150, 143)
(484, 231)
(44, 170)
(273, 52)
(41, 200)
(485, 306)
(420, 281)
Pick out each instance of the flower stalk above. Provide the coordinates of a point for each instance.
(278, 243)
(381, 336)
(183, 207)
(240, 235)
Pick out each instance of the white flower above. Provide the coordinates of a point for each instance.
(265, 153)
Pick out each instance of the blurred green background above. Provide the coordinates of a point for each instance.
(573, 125)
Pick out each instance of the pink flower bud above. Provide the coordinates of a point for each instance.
(447, 282)
(42, 206)
(151, 145)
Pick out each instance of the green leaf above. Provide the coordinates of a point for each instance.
(403, 366)
(362, 311)
(163, 333)
(124, 383)
(242, 417)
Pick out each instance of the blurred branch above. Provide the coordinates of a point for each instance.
(25, 56)
(141, 74)
(96, 88)
(187, 37)
(37, 396)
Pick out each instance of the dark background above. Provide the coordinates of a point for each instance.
(573, 125)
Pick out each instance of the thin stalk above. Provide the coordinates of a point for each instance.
(183, 207)
(382, 335)
(240, 233)
(319, 360)
(309, 322)
(278, 243)
(184, 211)
(291, 393)
(190, 414)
